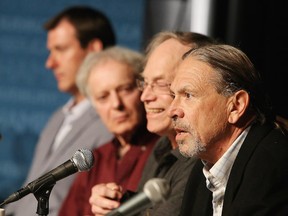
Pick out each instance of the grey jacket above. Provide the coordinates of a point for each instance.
(88, 132)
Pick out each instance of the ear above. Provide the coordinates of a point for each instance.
(237, 106)
(95, 45)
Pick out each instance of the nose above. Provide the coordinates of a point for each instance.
(116, 101)
(51, 62)
(175, 111)
(147, 94)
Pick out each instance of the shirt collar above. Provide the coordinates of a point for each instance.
(79, 108)
(221, 169)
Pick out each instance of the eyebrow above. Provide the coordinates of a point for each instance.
(183, 89)
(155, 78)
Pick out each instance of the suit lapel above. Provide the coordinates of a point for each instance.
(197, 199)
(253, 138)
(78, 126)
(43, 149)
(49, 137)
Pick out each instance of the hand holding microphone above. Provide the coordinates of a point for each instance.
(81, 161)
(156, 190)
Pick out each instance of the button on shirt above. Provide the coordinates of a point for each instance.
(217, 176)
(71, 113)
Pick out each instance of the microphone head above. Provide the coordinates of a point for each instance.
(157, 190)
(83, 159)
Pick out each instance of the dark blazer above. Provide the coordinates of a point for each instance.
(258, 182)
(88, 132)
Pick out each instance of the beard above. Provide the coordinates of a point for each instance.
(191, 146)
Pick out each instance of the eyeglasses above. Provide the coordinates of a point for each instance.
(158, 87)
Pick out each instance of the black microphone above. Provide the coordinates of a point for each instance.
(156, 190)
(82, 160)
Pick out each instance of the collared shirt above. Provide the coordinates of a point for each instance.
(217, 176)
(71, 113)
(109, 168)
(167, 163)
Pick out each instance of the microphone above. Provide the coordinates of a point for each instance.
(156, 190)
(82, 160)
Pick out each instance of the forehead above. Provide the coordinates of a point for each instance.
(110, 71)
(164, 59)
(192, 71)
(63, 31)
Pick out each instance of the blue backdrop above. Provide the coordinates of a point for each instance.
(28, 92)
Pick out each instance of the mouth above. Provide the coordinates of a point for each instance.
(180, 133)
(154, 110)
(120, 118)
(179, 130)
(58, 76)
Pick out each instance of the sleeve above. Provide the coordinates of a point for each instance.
(77, 198)
(177, 176)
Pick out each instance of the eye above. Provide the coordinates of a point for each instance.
(61, 48)
(101, 98)
(188, 95)
(161, 84)
(126, 89)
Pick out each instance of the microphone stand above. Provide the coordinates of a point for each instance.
(42, 195)
(41, 190)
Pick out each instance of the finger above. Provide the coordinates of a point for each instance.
(109, 190)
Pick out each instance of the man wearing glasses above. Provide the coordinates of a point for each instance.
(163, 55)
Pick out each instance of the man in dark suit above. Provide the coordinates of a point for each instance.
(221, 114)
(72, 34)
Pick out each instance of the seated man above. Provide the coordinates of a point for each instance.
(163, 55)
(108, 79)
(71, 35)
(221, 115)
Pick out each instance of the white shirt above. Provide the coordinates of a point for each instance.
(71, 113)
(217, 176)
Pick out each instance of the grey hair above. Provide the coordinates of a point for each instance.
(131, 58)
(234, 72)
(191, 39)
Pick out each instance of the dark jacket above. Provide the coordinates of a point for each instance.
(258, 182)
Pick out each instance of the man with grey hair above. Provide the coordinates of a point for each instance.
(108, 79)
(164, 53)
(222, 115)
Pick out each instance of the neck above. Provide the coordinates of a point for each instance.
(124, 146)
(78, 98)
(173, 142)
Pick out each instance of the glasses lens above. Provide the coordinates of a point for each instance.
(161, 88)
(140, 84)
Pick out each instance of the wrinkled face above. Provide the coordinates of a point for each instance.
(200, 114)
(156, 95)
(116, 98)
(65, 56)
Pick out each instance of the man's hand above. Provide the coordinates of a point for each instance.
(104, 198)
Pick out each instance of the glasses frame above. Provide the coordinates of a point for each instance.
(158, 88)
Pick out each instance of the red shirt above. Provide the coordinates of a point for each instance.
(107, 168)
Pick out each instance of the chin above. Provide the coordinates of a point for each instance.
(157, 130)
(62, 89)
(152, 129)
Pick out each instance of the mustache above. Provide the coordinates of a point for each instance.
(180, 125)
